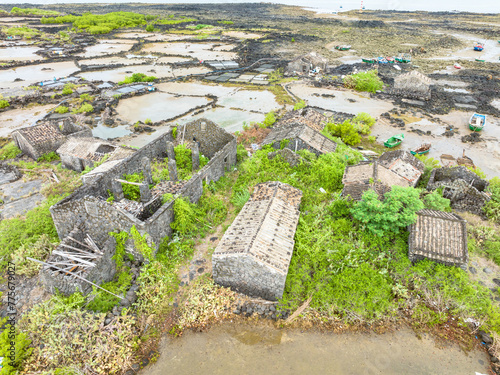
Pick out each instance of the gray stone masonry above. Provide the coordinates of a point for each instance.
(117, 190)
(195, 156)
(145, 193)
(170, 151)
(254, 254)
(146, 170)
(88, 203)
(172, 170)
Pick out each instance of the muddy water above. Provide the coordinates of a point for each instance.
(157, 106)
(119, 74)
(106, 132)
(250, 349)
(19, 53)
(35, 73)
(110, 61)
(201, 51)
(344, 101)
(19, 118)
(107, 47)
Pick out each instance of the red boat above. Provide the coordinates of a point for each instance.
(390, 59)
(457, 66)
(478, 46)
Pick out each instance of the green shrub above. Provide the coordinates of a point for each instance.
(141, 244)
(9, 151)
(33, 11)
(492, 207)
(435, 201)
(174, 133)
(85, 108)
(51, 156)
(150, 28)
(102, 301)
(185, 217)
(137, 77)
(396, 211)
(363, 122)
(61, 109)
(346, 131)
(132, 192)
(19, 342)
(148, 121)
(241, 153)
(22, 31)
(364, 81)
(429, 165)
(4, 104)
(183, 158)
(240, 198)
(299, 105)
(269, 120)
(67, 90)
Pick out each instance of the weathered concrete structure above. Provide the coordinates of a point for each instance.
(41, 139)
(88, 203)
(254, 254)
(302, 65)
(413, 85)
(79, 153)
(391, 168)
(439, 236)
(464, 189)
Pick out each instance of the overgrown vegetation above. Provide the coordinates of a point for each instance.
(137, 77)
(131, 191)
(4, 103)
(61, 109)
(184, 161)
(32, 11)
(22, 31)
(492, 208)
(9, 151)
(364, 81)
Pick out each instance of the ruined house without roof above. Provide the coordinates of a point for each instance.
(254, 254)
(47, 137)
(301, 131)
(80, 153)
(464, 189)
(439, 236)
(412, 85)
(89, 211)
(305, 63)
(391, 168)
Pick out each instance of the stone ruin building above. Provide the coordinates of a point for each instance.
(302, 65)
(89, 211)
(439, 236)
(391, 168)
(413, 85)
(46, 137)
(79, 254)
(254, 254)
(301, 130)
(464, 189)
(79, 153)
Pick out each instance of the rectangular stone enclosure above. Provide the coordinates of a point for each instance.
(254, 254)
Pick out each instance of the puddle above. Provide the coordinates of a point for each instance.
(106, 132)
(201, 51)
(172, 59)
(110, 61)
(35, 73)
(341, 102)
(107, 47)
(19, 53)
(461, 91)
(260, 349)
(444, 82)
(157, 106)
(119, 74)
(20, 118)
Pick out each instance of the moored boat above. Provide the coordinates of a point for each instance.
(457, 66)
(423, 149)
(343, 48)
(403, 58)
(480, 60)
(477, 122)
(478, 46)
(394, 141)
(382, 60)
(369, 61)
(390, 59)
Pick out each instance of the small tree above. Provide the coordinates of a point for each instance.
(397, 211)
(436, 201)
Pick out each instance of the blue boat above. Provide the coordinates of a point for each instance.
(478, 46)
(382, 60)
(477, 122)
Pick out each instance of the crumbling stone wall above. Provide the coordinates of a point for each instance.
(103, 272)
(245, 275)
(463, 188)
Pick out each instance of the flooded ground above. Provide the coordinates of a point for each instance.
(35, 73)
(119, 74)
(19, 53)
(202, 51)
(107, 47)
(19, 118)
(260, 349)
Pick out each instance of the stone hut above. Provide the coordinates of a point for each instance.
(86, 258)
(391, 168)
(413, 85)
(439, 236)
(298, 135)
(464, 189)
(307, 116)
(254, 254)
(79, 153)
(149, 215)
(302, 65)
(41, 139)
